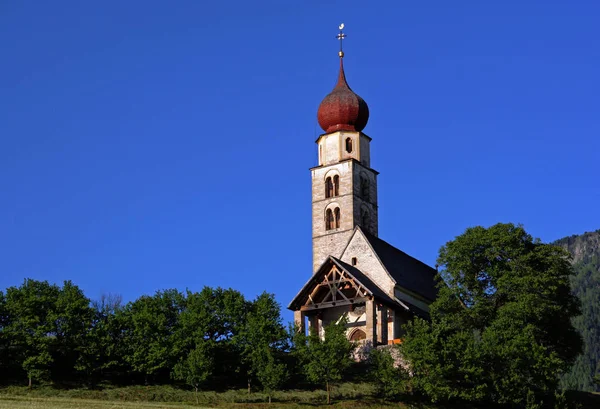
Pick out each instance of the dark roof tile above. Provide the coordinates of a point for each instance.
(408, 272)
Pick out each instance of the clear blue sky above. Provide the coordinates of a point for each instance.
(149, 145)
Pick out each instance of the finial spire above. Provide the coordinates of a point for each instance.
(341, 37)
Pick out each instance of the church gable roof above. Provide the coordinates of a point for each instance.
(407, 271)
(366, 281)
(367, 286)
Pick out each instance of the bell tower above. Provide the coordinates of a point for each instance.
(344, 187)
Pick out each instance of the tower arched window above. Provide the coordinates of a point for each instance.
(332, 186)
(336, 185)
(329, 190)
(349, 145)
(329, 220)
(332, 218)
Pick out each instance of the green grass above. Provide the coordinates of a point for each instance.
(21, 402)
(345, 396)
(18, 402)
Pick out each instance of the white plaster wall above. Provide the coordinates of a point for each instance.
(354, 136)
(332, 148)
(367, 262)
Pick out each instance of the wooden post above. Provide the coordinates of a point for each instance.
(382, 325)
(394, 329)
(371, 327)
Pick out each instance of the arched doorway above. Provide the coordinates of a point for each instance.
(358, 335)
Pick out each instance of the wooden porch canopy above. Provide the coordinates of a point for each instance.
(336, 284)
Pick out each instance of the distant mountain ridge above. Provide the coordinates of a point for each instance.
(585, 250)
(582, 247)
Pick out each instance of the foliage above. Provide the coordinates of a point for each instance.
(4, 339)
(197, 366)
(270, 371)
(47, 324)
(391, 380)
(261, 340)
(500, 328)
(102, 348)
(216, 315)
(349, 395)
(325, 359)
(585, 284)
(149, 325)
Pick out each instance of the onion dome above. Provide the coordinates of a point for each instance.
(342, 109)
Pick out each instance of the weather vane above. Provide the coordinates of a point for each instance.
(341, 37)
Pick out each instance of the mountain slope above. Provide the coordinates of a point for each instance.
(585, 249)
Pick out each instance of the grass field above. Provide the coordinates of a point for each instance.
(345, 396)
(22, 402)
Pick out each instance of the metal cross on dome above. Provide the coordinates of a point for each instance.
(341, 37)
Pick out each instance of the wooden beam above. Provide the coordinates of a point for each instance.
(331, 304)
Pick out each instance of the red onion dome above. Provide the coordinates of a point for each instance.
(342, 109)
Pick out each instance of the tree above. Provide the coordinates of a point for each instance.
(270, 372)
(47, 325)
(150, 323)
(325, 359)
(4, 339)
(196, 367)
(72, 317)
(389, 378)
(261, 340)
(501, 327)
(30, 307)
(102, 349)
(216, 315)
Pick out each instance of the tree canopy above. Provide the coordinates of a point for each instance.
(325, 359)
(500, 329)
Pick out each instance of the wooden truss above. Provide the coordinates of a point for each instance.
(336, 289)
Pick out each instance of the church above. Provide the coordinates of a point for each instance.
(355, 273)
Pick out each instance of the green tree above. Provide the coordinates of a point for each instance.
(102, 349)
(217, 315)
(4, 339)
(149, 326)
(326, 359)
(390, 379)
(501, 327)
(195, 368)
(261, 340)
(72, 318)
(31, 328)
(47, 324)
(270, 371)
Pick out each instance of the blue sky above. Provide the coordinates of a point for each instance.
(150, 145)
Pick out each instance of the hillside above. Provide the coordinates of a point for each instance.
(585, 249)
